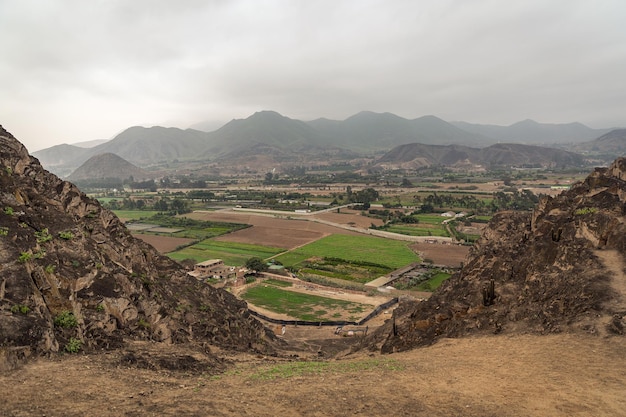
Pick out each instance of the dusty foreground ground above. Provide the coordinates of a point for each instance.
(562, 375)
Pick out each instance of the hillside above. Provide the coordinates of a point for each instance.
(417, 155)
(74, 277)
(275, 140)
(532, 132)
(383, 131)
(571, 277)
(605, 148)
(108, 165)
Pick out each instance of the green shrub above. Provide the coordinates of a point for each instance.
(25, 257)
(4, 231)
(65, 319)
(9, 211)
(585, 210)
(43, 236)
(66, 235)
(20, 308)
(73, 345)
(143, 323)
(49, 268)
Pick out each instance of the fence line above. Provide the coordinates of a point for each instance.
(371, 315)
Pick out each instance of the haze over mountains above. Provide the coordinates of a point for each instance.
(282, 139)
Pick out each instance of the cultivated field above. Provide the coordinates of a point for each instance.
(390, 253)
(270, 230)
(163, 244)
(232, 253)
(441, 254)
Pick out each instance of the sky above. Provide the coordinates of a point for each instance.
(74, 70)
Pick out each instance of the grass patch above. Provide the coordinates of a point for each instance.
(300, 306)
(278, 283)
(296, 369)
(434, 282)
(135, 214)
(418, 230)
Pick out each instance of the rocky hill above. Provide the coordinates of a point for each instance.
(108, 165)
(74, 277)
(605, 148)
(559, 268)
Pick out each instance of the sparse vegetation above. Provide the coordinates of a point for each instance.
(9, 211)
(20, 308)
(298, 369)
(66, 320)
(66, 235)
(585, 210)
(43, 236)
(73, 345)
(25, 257)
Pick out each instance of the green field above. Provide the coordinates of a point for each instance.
(388, 253)
(434, 282)
(304, 307)
(231, 253)
(418, 230)
(134, 214)
(431, 218)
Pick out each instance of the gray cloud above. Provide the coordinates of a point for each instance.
(75, 71)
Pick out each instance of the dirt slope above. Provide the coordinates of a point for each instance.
(497, 376)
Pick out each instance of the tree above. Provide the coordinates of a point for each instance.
(256, 264)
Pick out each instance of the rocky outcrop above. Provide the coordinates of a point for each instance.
(72, 275)
(558, 268)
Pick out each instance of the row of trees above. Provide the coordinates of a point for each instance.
(514, 200)
(162, 204)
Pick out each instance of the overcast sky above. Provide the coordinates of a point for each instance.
(73, 70)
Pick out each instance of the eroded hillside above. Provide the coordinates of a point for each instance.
(72, 275)
(559, 268)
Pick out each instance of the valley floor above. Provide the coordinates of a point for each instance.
(555, 375)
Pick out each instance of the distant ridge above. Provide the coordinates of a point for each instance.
(418, 155)
(531, 132)
(282, 140)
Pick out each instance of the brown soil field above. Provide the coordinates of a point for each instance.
(349, 218)
(163, 244)
(270, 230)
(555, 375)
(440, 254)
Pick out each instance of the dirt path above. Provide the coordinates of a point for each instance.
(557, 375)
(612, 260)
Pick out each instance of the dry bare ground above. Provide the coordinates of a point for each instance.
(556, 375)
(163, 244)
(442, 254)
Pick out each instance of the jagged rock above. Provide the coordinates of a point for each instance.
(558, 268)
(61, 252)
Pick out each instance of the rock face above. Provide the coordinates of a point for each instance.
(65, 259)
(559, 268)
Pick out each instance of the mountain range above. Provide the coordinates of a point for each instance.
(281, 140)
